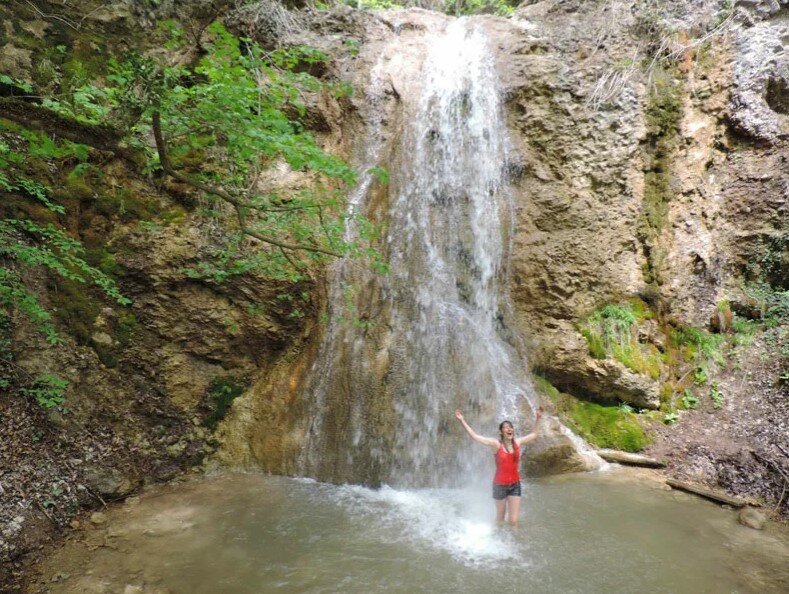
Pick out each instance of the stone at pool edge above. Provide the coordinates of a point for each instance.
(752, 518)
(98, 518)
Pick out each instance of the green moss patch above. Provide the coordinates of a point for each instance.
(74, 307)
(126, 205)
(608, 426)
(662, 114)
(103, 259)
(615, 427)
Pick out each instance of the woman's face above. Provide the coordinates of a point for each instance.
(506, 430)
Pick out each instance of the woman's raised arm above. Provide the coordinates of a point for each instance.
(535, 431)
(488, 441)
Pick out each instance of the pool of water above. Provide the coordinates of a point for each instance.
(250, 533)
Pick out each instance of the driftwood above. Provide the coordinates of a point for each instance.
(630, 459)
(717, 496)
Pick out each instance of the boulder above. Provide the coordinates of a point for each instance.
(554, 453)
(109, 483)
(752, 518)
(98, 518)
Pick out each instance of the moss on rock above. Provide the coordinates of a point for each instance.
(603, 426)
(612, 331)
(662, 114)
(74, 307)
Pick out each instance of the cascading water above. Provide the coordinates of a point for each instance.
(447, 245)
(428, 338)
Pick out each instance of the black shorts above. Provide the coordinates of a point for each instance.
(503, 491)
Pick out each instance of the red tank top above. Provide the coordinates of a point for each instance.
(507, 465)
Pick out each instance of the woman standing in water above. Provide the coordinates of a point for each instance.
(507, 480)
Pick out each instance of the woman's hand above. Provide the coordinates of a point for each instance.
(458, 415)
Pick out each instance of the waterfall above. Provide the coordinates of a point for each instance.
(447, 243)
(385, 387)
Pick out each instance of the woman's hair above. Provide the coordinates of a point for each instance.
(515, 446)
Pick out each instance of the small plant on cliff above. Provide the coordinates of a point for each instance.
(689, 401)
(48, 390)
(773, 303)
(717, 396)
(610, 331)
(222, 392)
(698, 346)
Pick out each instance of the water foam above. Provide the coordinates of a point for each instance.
(456, 521)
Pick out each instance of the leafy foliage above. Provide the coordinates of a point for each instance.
(464, 7)
(48, 390)
(26, 244)
(717, 396)
(610, 332)
(219, 126)
(689, 401)
(773, 302)
(698, 345)
(222, 392)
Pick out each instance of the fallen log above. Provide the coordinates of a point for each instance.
(630, 459)
(717, 496)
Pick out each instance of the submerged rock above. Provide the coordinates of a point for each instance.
(752, 518)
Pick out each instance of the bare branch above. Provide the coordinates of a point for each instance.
(76, 25)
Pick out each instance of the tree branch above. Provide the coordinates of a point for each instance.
(164, 160)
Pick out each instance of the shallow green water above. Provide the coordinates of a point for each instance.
(248, 533)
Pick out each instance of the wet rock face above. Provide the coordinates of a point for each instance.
(583, 160)
(758, 105)
(579, 193)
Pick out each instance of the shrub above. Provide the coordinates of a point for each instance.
(48, 390)
(698, 345)
(222, 392)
